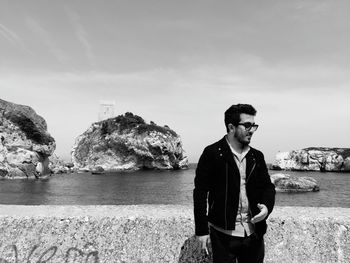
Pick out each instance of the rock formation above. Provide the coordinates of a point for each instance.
(59, 166)
(289, 183)
(126, 142)
(25, 143)
(314, 159)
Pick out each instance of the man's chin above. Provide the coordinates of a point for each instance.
(246, 141)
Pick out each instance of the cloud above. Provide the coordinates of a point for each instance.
(81, 34)
(9, 35)
(315, 7)
(248, 75)
(12, 37)
(47, 39)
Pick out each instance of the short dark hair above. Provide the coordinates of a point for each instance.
(232, 114)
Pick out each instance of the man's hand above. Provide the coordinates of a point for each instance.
(262, 215)
(204, 240)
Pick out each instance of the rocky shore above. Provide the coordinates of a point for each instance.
(314, 159)
(125, 142)
(25, 144)
(59, 166)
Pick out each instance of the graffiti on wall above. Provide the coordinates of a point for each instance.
(10, 254)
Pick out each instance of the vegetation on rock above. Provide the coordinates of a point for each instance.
(130, 121)
(30, 129)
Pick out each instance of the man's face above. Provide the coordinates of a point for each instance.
(241, 134)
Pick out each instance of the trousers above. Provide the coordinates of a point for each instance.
(231, 249)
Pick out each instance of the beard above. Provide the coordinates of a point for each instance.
(244, 140)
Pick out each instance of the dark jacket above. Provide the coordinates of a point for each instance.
(217, 187)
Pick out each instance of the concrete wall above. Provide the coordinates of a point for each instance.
(146, 233)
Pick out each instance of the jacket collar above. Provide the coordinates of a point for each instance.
(226, 152)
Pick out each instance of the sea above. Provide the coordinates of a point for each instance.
(153, 187)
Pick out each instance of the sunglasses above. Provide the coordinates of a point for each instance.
(249, 126)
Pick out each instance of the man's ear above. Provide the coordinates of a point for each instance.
(231, 128)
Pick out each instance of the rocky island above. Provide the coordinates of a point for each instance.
(314, 159)
(127, 142)
(294, 184)
(25, 144)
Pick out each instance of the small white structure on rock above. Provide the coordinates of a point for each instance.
(106, 110)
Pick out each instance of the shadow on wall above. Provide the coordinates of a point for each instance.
(191, 252)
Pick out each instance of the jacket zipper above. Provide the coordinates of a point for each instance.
(226, 196)
(250, 211)
(251, 172)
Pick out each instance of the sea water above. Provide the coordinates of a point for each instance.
(152, 187)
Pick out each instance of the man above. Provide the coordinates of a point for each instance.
(233, 193)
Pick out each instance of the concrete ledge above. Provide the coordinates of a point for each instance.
(158, 233)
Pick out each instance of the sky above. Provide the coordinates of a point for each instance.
(182, 64)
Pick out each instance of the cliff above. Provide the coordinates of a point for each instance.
(25, 143)
(314, 159)
(126, 142)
